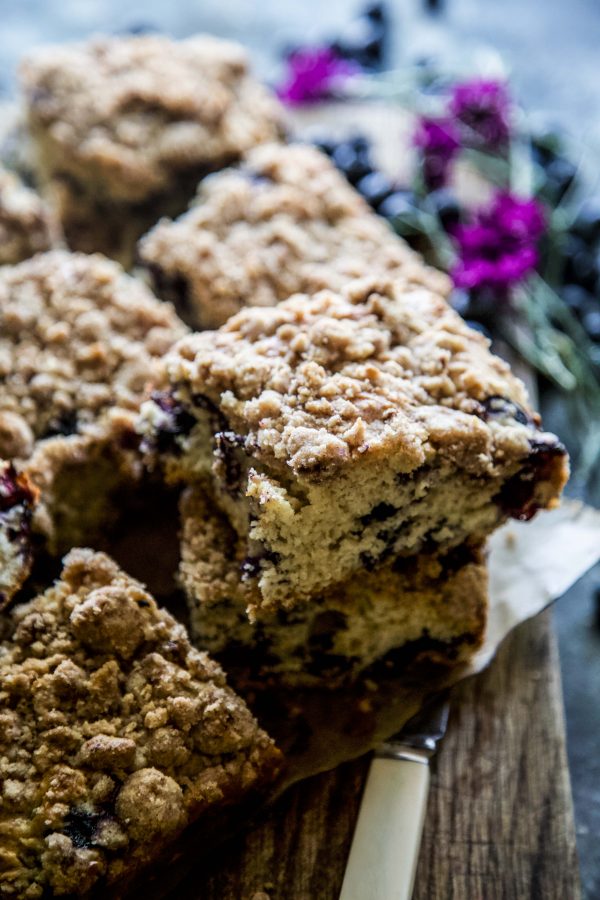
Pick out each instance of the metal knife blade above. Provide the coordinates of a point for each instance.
(421, 735)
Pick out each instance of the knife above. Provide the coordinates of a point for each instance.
(385, 847)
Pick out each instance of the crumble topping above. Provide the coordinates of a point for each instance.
(133, 111)
(78, 338)
(114, 732)
(318, 381)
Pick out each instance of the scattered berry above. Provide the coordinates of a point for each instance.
(397, 205)
(364, 40)
(445, 206)
(461, 301)
(375, 188)
(355, 165)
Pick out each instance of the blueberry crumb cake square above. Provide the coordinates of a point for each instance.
(80, 345)
(125, 126)
(342, 429)
(115, 734)
(284, 222)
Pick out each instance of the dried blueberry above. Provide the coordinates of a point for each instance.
(360, 143)
(14, 489)
(577, 298)
(140, 28)
(375, 11)
(480, 327)
(363, 40)
(460, 300)
(591, 323)
(226, 443)
(324, 143)
(252, 565)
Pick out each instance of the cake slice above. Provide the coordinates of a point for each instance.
(17, 501)
(343, 429)
(432, 606)
(125, 126)
(284, 222)
(80, 344)
(115, 735)
(26, 224)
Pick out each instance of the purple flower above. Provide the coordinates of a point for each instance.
(499, 247)
(439, 141)
(483, 108)
(313, 73)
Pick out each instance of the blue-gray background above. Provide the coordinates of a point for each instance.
(552, 50)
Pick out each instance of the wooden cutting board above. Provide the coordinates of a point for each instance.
(499, 824)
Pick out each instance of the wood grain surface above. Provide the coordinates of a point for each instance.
(499, 823)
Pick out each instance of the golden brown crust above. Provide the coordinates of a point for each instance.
(286, 222)
(125, 115)
(115, 733)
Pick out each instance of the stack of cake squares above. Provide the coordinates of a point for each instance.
(341, 441)
(345, 451)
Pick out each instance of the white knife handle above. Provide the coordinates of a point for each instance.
(385, 848)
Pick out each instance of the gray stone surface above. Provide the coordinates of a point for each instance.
(551, 50)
